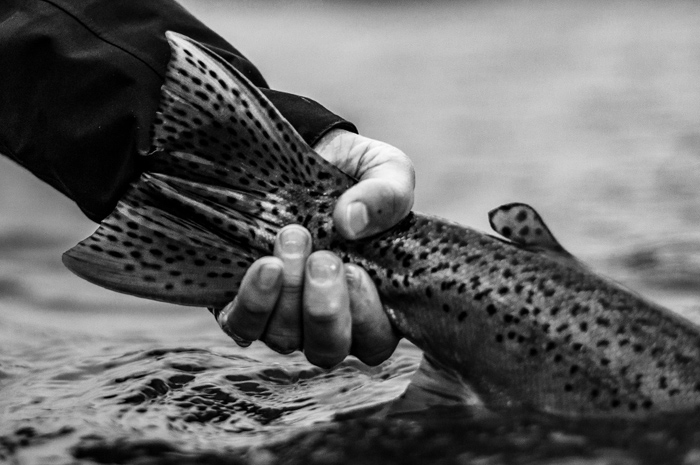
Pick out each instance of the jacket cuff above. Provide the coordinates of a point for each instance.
(310, 119)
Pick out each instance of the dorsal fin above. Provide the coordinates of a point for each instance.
(521, 224)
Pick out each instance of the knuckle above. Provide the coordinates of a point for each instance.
(403, 160)
(290, 296)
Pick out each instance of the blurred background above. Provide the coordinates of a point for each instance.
(587, 110)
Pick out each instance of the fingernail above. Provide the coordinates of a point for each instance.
(357, 218)
(293, 241)
(268, 275)
(323, 268)
(352, 276)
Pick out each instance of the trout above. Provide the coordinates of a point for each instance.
(516, 316)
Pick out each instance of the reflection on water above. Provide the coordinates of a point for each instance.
(588, 111)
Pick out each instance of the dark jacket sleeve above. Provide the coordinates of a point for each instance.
(80, 83)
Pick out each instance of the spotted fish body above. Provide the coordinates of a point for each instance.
(520, 320)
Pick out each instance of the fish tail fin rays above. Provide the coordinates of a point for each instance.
(215, 127)
(225, 172)
(148, 251)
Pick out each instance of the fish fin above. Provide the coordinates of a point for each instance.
(215, 127)
(434, 385)
(225, 172)
(521, 224)
(149, 252)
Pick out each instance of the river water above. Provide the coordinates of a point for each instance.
(589, 111)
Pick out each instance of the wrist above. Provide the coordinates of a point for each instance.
(330, 140)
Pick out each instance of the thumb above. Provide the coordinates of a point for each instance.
(384, 194)
(372, 206)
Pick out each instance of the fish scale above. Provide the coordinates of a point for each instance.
(521, 320)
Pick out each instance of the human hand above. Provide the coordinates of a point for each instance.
(296, 299)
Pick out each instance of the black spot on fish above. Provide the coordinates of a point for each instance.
(482, 294)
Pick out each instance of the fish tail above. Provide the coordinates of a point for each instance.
(225, 172)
